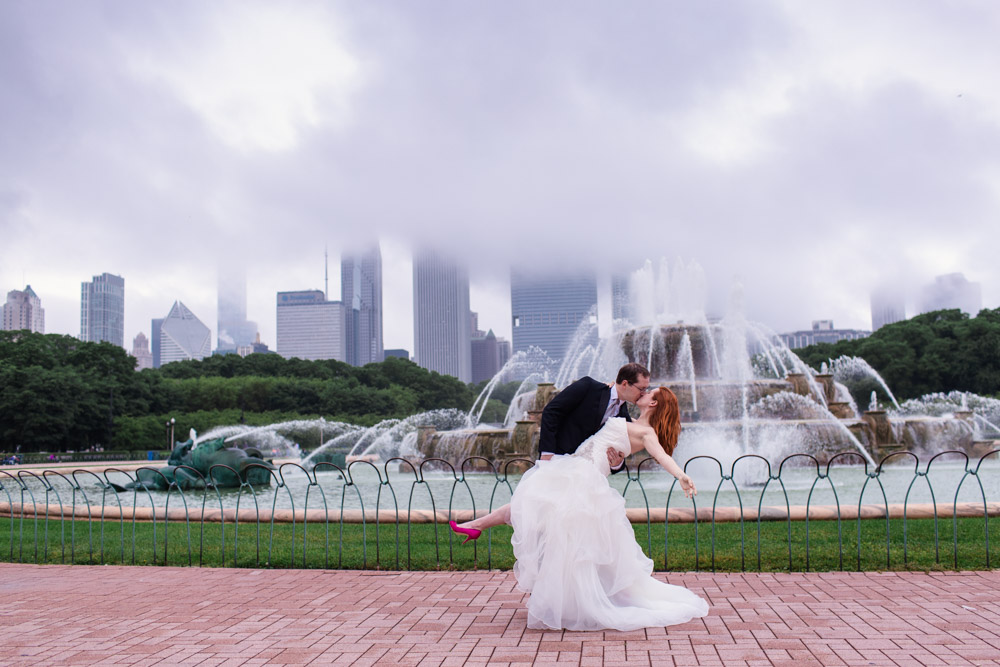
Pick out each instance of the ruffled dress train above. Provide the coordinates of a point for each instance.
(576, 551)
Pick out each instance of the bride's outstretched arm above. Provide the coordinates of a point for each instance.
(647, 440)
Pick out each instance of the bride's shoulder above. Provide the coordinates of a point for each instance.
(637, 428)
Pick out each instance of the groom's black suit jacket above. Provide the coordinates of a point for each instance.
(573, 415)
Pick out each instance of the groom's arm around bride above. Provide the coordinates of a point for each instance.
(579, 410)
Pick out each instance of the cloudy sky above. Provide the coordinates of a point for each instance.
(809, 150)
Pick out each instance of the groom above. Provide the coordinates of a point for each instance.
(578, 411)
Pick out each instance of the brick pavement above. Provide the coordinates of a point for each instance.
(109, 615)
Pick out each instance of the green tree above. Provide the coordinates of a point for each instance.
(940, 351)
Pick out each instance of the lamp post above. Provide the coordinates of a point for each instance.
(170, 433)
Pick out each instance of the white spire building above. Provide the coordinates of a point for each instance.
(183, 336)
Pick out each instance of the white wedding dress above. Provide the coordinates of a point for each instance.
(576, 550)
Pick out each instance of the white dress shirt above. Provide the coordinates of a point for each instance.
(613, 405)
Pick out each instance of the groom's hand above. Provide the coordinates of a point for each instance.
(615, 458)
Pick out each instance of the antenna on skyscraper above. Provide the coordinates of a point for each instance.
(326, 275)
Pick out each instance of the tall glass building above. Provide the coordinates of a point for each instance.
(621, 297)
(442, 330)
(183, 336)
(361, 295)
(547, 311)
(102, 310)
(234, 330)
(888, 306)
(309, 326)
(154, 341)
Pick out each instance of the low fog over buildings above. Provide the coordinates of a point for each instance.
(547, 311)
(951, 291)
(888, 306)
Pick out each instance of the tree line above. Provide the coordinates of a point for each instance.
(58, 393)
(942, 351)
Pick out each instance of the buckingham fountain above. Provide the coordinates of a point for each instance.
(740, 388)
(741, 391)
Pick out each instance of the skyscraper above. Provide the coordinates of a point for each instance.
(234, 329)
(183, 336)
(361, 294)
(621, 305)
(951, 291)
(489, 354)
(102, 310)
(547, 311)
(309, 326)
(888, 306)
(23, 310)
(157, 326)
(140, 350)
(441, 327)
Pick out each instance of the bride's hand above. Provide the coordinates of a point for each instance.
(615, 458)
(687, 485)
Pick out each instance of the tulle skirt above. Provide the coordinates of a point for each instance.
(578, 559)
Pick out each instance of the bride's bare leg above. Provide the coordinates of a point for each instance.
(497, 517)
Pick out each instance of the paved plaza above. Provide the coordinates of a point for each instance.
(111, 615)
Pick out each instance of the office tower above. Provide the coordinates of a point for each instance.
(888, 306)
(234, 329)
(441, 325)
(361, 294)
(183, 336)
(397, 352)
(157, 326)
(489, 354)
(547, 311)
(503, 349)
(102, 310)
(951, 291)
(621, 305)
(309, 326)
(140, 350)
(23, 310)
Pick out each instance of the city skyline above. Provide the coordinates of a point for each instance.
(606, 299)
(810, 151)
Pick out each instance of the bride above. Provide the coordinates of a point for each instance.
(576, 550)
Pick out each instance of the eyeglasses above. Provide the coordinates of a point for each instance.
(646, 390)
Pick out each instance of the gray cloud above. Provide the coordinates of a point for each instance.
(808, 150)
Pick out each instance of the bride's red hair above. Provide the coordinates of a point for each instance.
(666, 418)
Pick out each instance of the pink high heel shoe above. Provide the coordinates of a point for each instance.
(470, 533)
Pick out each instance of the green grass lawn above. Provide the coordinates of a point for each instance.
(431, 547)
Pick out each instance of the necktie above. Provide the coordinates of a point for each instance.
(612, 411)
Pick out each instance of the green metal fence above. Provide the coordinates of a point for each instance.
(84, 516)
